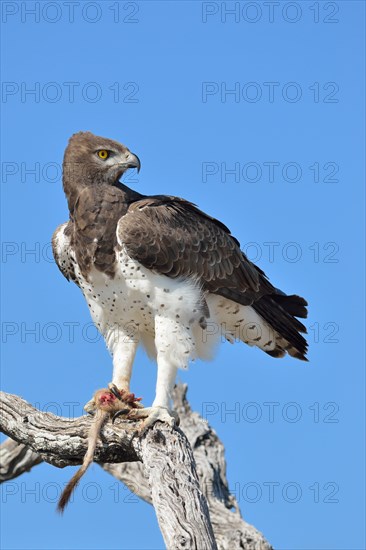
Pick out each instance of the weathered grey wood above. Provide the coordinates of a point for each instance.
(15, 459)
(174, 484)
(63, 441)
(164, 451)
(231, 531)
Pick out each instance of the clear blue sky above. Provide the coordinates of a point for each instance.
(157, 76)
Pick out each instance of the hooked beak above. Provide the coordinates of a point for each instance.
(129, 161)
(133, 161)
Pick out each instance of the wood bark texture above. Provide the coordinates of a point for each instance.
(180, 471)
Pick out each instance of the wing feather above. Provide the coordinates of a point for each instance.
(173, 237)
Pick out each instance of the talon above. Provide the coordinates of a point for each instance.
(119, 413)
(125, 396)
(113, 401)
(151, 415)
(113, 388)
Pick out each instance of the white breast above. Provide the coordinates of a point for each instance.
(133, 299)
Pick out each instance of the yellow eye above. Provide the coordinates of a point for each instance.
(103, 154)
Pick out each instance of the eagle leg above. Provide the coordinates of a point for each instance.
(152, 415)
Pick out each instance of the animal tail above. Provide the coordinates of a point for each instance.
(88, 459)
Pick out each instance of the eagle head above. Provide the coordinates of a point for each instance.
(91, 159)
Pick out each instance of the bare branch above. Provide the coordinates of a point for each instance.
(230, 530)
(15, 459)
(63, 441)
(164, 451)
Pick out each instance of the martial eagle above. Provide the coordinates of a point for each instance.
(158, 271)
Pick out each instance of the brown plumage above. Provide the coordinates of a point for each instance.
(156, 270)
(168, 235)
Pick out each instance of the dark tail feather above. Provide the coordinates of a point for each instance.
(294, 305)
(280, 312)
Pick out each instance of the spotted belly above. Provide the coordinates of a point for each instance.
(130, 303)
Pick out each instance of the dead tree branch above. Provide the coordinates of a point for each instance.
(160, 468)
